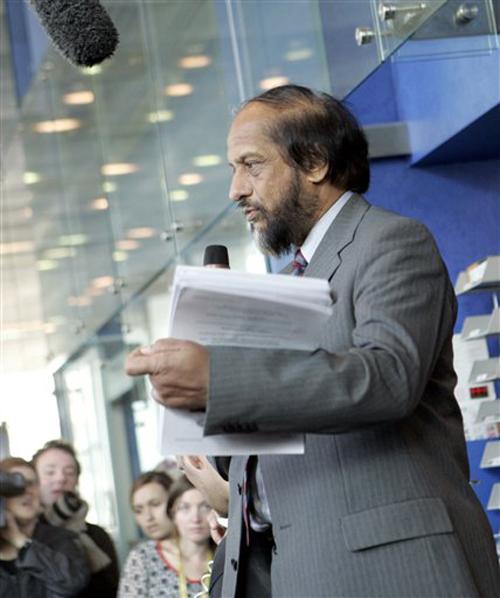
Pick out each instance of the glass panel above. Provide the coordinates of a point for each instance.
(52, 239)
(132, 155)
(397, 21)
(82, 388)
(89, 241)
(279, 42)
(349, 29)
(192, 77)
(457, 29)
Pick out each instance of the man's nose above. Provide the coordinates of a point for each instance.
(240, 187)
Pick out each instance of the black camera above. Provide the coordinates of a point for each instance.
(11, 484)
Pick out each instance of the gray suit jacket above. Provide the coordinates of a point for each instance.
(380, 503)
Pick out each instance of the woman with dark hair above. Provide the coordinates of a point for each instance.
(176, 557)
(37, 560)
(58, 469)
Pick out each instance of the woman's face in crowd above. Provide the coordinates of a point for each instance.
(190, 516)
(149, 504)
(58, 474)
(25, 507)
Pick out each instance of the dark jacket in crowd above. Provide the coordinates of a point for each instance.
(104, 583)
(51, 565)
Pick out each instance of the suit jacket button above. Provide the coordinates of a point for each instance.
(234, 564)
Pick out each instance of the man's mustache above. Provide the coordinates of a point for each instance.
(243, 204)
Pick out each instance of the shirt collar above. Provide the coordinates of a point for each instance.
(318, 231)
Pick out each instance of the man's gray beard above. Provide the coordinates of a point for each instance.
(291, 224)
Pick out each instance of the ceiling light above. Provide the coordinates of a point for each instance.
(298, 54)
(59, 125)
(120, 256)
(100, 203)
(29, 178)
(160, 116)
(75, 239)
(195, 62)
(141, 232)
(78, 98)
(28, 212)
(118, 168)
(190, 178)
(178, 195)
(126, 245)
(178, 89)
(109, 187)
(44, 265)
(59, 253)
(81, 301)
(207, 160)
(16, 247)
(14, 329)
(271, 82)
(103, 282)
(91, 71)
(95, 292)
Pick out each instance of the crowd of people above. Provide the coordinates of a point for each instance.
(47, 548)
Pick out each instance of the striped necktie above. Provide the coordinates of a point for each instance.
(299, 264)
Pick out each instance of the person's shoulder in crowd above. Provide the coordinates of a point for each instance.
(142, 550)
(101, 537)
(104, 582)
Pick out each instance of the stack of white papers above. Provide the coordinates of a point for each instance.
(225, 307)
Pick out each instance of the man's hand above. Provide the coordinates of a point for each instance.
(178, 370)
(217, 531)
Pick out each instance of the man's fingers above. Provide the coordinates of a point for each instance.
(174, 401)
(152, 358)
(193, 461)
(138, 363)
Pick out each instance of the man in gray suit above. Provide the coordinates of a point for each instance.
(380, 503)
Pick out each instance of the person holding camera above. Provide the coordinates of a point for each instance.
(59, 469)
(37, 560)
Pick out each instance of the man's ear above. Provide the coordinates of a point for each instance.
(317, 173)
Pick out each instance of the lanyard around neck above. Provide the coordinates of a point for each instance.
(183, 592)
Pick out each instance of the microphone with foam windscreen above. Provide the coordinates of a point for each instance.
(81, 30)
(216, 256)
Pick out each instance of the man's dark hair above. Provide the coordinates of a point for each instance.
(314, 129)
(60, 445)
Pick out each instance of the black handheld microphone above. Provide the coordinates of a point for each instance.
(216, 256)
(80, 29)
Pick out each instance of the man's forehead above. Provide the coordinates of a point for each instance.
(249, 130)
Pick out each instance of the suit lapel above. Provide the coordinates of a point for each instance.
(327, 258)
